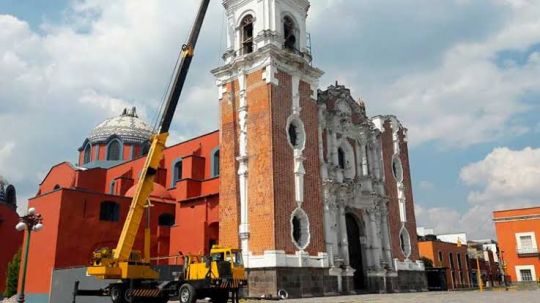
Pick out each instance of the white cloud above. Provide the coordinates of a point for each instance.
(504, 179)
(436, 64)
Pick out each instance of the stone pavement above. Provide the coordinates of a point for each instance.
(494, 296)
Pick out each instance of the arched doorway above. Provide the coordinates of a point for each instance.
(355, 251)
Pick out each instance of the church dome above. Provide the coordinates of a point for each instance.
(128, 127)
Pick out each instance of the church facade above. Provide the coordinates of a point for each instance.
(316, 193)
(311, 181)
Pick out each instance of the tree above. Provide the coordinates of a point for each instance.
(12, 277)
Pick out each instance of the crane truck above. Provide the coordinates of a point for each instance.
(214, 276)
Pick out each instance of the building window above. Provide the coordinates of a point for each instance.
(166, 220)
(113, 151)
(405, 242)
(300, 229)
(109, 211)
(297, 229)
(397, 169)
(526, 243)
(440, 257)
(293, 134)
(459, 262)
(87, 154)
(11, 196)
(247, 34)
(176, 172)
(296, 133)
(341, 158)
(215, 163)
(289, 35)
(451, 258)
(526, 275)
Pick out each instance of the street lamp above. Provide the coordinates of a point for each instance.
(32, 221)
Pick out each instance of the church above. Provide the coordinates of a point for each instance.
(316, 193)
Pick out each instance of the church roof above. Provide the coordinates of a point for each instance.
(128, 127)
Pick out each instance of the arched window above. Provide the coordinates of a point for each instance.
(109, 211)
(297, 229)
(11, 196)
(166, 220)
(113, 151)
(176, 172)
(247, 34)
(215, 163)
(341, 158)
(289, 35)
(87, 154)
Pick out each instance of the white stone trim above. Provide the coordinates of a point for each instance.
(409, 265)
(278, 258)
(243, 168)
(525, 267)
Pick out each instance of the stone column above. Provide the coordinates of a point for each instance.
(343, 234)
(386, 233)
(375, 238)
(243, 170)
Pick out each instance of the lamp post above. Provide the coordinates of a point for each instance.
(32, 221)
(478, 273)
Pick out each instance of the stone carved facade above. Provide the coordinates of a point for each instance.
(353, 185)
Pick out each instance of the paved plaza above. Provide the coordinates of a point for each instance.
(495, 296)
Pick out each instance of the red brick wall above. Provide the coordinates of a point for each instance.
(228, 188)
(271, 172)
(394, 220)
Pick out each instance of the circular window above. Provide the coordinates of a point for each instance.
(405, 242)
(397, 169)
(300, 229)
(296, 134)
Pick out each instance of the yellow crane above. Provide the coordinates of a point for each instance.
(213, 276)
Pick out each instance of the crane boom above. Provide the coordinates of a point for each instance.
(122, 262)
(146, 180)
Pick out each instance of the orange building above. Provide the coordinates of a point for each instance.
(84, 205)
(451, 257)
(517, 232)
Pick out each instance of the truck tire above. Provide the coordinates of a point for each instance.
(186, 294)
(117, 293)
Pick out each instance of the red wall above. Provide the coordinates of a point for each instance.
(11, 240)
(72, 228)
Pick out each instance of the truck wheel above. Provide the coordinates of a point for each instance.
(187, 294)
(117, 293)
(221, 296)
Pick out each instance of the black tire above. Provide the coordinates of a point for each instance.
(220, 296)
(187, 294)
(117, 293)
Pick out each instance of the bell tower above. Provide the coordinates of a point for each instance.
(270, 183)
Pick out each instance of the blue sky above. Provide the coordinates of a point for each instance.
(462, 75)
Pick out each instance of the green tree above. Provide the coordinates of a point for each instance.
(12, 277)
